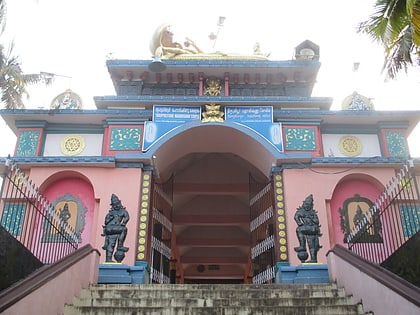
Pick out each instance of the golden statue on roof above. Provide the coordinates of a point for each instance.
(163, 46)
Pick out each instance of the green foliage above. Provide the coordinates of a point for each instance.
(395, 24)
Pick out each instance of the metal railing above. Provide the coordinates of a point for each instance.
(262, 231)
(32, 220)
(161, 232)
(395, 216)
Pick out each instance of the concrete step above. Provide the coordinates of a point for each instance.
(201, 302)
(183, 287)
(230, 310)
(290, 299)
(240, 292)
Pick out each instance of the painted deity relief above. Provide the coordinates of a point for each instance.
(353, 212)
(70, 212)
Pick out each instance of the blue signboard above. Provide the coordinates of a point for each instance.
(252, 114)
(166, 119)
(175, 114)
(259, 119)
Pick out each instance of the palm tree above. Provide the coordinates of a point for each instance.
(13, 81)
(395, 24)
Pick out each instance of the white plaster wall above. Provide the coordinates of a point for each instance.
(93, 144)
(370, 145)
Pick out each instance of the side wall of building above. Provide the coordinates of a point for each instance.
(321, 183)
(94, 187)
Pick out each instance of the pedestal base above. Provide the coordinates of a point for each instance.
(304, 273)
(120, 273)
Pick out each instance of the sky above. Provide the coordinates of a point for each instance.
(74, 38)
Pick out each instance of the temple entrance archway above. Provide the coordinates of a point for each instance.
(209, 170)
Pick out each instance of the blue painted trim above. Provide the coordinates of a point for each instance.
(226, 100)
(129, 160)
(227, 124)
(35, 112)
(285, 166)
(129, 165)
(59, 160)
(74, 128)
(343, 113)
(128, 156)
(278, 113)
(194, 63)
(342, 161)
(31, 123)
(120, 273)
(300, 121)
(393, 124)
(124, 121)
(357, 161)
(353, 129)
(304, 273)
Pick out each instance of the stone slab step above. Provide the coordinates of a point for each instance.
(199, 302)
(218, 287)
(222, 293)
(234, 310)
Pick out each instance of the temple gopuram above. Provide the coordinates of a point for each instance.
(229, 170)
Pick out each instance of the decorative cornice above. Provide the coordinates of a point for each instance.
(39, 112)
(200, 62)
(344, 161)
(352, 128)
(300, 121)
(393, 124)
(375, 160)
(63, 160)
(31, 123)
(124, 121)
(215, 99)
(73, 128)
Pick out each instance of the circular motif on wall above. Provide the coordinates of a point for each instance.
(350, 145)
(72, 145)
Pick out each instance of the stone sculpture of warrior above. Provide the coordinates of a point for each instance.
(308, 230)
(115, 230)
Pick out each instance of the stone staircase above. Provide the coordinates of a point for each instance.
(203, 299)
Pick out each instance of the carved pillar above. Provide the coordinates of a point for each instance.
(226, 83)
(200, 84)
(143, 240)
(281, 250)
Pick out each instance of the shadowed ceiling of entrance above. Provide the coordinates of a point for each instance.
(212, 139)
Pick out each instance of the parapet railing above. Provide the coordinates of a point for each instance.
(394, 217)
(30, 218)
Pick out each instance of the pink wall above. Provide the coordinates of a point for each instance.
(321, 182)
(376, 297)
(95, 185)
(80, 189)
(50, 298)
(347, 188)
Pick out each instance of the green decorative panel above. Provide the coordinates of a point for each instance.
(395, 141)
(12, 218)
(410, 219)
(28, 142)
(125, 139)
(302, 139)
